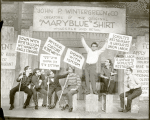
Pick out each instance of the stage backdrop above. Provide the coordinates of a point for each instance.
(79, 19)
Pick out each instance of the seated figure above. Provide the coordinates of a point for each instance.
(71, 88)
(107, 74)
(134, 84)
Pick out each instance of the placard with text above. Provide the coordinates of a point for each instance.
(49, 62)
(119, 42)
(74, 58)
(28, 45)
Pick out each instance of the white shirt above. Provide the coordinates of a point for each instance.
(92, 56)
(132, 81)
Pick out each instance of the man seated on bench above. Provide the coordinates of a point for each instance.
(71, 88)
(54, 86)
(25, 79)
(107, 74)
(134, 84)
(36, 84)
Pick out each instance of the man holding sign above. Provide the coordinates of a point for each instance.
(90, 67)
(54, 86)
(25, 80)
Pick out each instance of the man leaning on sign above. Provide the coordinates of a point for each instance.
(134, 84)
(90, 67)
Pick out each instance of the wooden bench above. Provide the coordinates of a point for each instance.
(107, 103)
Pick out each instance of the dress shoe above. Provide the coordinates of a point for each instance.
(70, 109)
(36, 107)
(51, 106)
(120, 110)
(24, 106)
(66, 106)
(11, 107)
(126, 110)
(63, 108)
(43, 105)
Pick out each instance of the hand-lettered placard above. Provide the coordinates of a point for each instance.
(119, 42)
(49, 62)
(129, 60)
(28, 45)
(73, 58)
(53, 47)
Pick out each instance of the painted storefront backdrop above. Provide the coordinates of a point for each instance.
(8, 54)
(79, 19)
(142, 67)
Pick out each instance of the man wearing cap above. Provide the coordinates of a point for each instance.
(90, 67)
(24, 79)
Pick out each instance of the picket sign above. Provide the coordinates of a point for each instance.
(129, 60)
(73, 58)
(28, 45)
(49, 62)
(119, 42)
(53, 47)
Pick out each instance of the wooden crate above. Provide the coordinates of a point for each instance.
(107, 103)
(19, 99)
(135, 105)
(74, 102)
(91, 103)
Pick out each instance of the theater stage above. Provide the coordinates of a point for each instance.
(81, 113)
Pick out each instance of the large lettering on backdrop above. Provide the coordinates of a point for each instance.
(79, 19)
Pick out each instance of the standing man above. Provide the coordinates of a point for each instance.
(107, 74)
(25, 79)
(134, 84)
(36, 85)
(90, 67)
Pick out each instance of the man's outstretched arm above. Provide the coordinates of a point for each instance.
(103, 48)
(84, 43)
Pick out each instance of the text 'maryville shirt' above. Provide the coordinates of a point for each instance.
(92, 56)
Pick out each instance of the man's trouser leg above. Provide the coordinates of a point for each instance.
(51, 91)
(70, 94)
(92, 77)
(29, 95)
(134, 94)
(35, 96)
(45, 99)
(111, 86)
(87, 78)
(12, 94)
(62, 100)
(122, 98)
(56, 97)
(105, 84)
